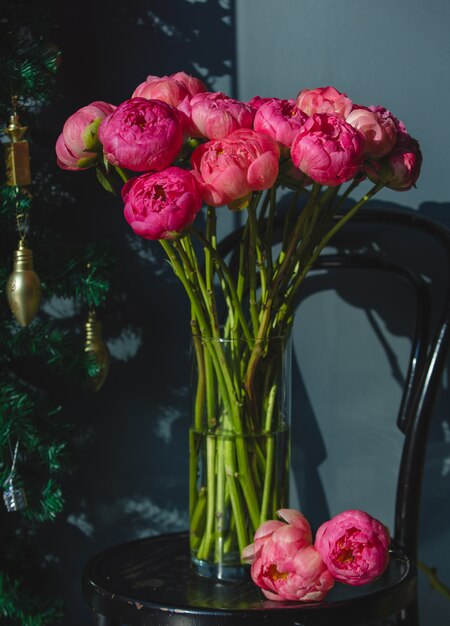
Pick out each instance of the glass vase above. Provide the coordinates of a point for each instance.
(239, 447)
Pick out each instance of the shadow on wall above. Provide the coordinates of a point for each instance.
(346, 314)
(131, 444)
(127, 42)
(352, 338)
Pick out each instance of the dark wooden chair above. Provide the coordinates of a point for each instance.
(149, 582)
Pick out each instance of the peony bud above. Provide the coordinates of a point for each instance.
(78, 146)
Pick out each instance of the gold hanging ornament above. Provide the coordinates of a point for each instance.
(97, 349)
(17, 152)
(23, 288)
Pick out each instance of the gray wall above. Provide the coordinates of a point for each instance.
(131, 478)
(394, 53)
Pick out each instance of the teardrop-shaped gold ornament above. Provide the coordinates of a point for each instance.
(23, 288)
(97, 349)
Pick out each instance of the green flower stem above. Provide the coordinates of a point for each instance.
(235, 301)
(295, 234)
(220, 500)
(317, 220)
(264, 205)
(242, 278)
(205, 546)
(268, 235)
(316, 223)
(246, 481)
(268, 424)
(121, 172)
(268, 478)
(353, 185)
(434, 580)
(288, 218)
(201, 377)
(230, 470)
(252, 268)
(209, 265)
(321, 245)
(205, 328)
(195, 277)
(197, 516)
(273, 293)
(211, 404)
(232, 408)
(268, 427)
(214, 348)
(193, 464)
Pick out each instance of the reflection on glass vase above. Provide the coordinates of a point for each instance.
(239, 447)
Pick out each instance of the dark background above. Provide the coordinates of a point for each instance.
(130, 478)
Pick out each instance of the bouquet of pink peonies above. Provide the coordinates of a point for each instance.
(352, 547)
(173, 148)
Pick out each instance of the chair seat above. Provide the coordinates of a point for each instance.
(150, 582)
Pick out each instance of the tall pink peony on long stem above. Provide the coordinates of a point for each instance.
(142, 135)
(284, 563)
(78, 147)
(161, 205)
(354, 547)
(328, 150)
(230, 168)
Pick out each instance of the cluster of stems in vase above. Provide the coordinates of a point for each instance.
(238, 441)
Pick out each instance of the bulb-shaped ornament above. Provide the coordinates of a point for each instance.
(23, 288)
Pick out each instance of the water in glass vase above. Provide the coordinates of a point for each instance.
(236, 483)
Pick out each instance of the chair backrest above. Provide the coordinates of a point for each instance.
(429, 339)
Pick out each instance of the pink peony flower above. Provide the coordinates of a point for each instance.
(171, 89)
(380, 133)
(142, 135)
(354, 547)
(400, 169)
(328, 149)
(192, 84)
(216, 115)
(177, 90)
(77, 147)
(265, 531)
(324, 100)
(230, 168)
(257, 101)
(163, 204)
(166, 89)
(385, 114)
(284, 563)
(280, 119)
